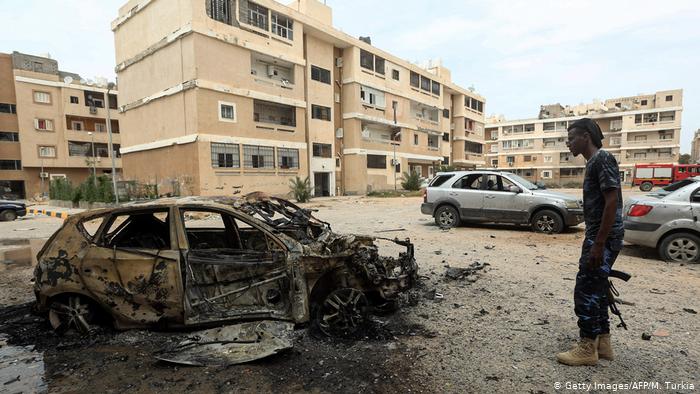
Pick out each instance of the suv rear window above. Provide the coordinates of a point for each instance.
(439, 180)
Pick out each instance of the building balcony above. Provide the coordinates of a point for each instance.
(650, 142)
(650, 158)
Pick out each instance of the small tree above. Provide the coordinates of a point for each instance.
(444, 168)
(684, 159)
(410, 181)
(301, 189)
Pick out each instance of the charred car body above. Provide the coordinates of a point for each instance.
(193, 261)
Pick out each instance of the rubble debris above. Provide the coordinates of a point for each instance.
(16, 379)
(457, 273)
(657, 291)
(646, 336)
(490, 247)
(229, 345)
(541, 322)
(390, 231)
(691, 311)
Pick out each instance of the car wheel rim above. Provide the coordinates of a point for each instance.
(447, 218)
(344, 312)
(682, 249)
(71, 313)
(545, 224)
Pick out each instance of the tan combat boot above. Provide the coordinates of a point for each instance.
(584, 353)
(605, 348)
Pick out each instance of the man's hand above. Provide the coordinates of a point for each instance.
(596, 256)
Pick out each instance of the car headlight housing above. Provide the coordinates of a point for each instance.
(572, 204)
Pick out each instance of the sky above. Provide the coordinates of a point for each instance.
(517, 54)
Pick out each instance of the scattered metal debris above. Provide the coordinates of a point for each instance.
(691, 311)
(646, 336)
(456, 273)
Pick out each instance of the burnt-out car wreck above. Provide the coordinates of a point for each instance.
(196, 262)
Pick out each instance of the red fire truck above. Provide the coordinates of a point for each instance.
(646, 176)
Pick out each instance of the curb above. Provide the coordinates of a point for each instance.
(55, 214)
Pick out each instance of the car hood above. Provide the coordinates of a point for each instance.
(547, 193)
(16, 203)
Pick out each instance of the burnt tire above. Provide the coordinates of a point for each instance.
(547, 221)
(680, 248)
(73, 313)
(646, 186)
(447, 216)
(8, 215)
(342, 313)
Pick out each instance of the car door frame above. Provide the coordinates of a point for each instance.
(194, 315)
(505, 206)
(460, 195)
(139, 286)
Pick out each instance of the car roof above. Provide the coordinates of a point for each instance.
(468, 172)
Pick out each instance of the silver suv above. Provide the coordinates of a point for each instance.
(500, 197)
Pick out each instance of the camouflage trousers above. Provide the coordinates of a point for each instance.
(591, 291)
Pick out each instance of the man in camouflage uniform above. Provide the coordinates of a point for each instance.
(602, 210)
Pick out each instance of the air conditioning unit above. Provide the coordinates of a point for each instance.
(271, 72)
(395, 162)
(510, 164)
(93, 110)
(339, 62)
(43, 175)
(339, 132)
(365, 133)
(337, 97)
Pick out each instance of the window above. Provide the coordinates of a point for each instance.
(372, 62)
(640, 155)
(395, 74)
(376, 161)
(415, 139)
(669, 98)
(258, 156)
(446, 160)
(433, 141)
(474, 104)
(527, 158)
(425, 83)
(10, 164)
(42, 97)
(287, 158)
(415, 79)
(267, 112)
(397, 167)
(100, 127)
(650, 118)
(473, 148)
(221, 10)
(224, 155)
(547, 159)
(47, 151)
(510, 159)
(529, 128)
(77, 125)
(446, 113)
(372, 97)
(668, 116)
(547, 174)
(498, 183)
(257, 15)
(148, 229)
(320, 74)
(471, 181)
(321, 150)
(643, 102)
(320, 112)
(9, 136)
(8, 108)
(446, 137)
(74, 100)
(43, 124)
(666, 135)
(79, 148)
(227, 112)
(435, 88)
(282, 26)
(494, 162)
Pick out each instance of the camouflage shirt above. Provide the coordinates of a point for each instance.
(602, 173)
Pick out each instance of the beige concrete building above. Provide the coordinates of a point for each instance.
(695, 148)
(224, 96)
(638, 129)
(50, 122)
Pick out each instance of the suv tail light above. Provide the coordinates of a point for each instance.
(639, 210)
(425, 194)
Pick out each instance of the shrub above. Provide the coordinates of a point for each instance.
(444, 168)
(410, 181)
(300, 189)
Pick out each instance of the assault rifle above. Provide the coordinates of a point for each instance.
(613, 292)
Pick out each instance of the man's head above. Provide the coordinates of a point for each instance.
(584, 135)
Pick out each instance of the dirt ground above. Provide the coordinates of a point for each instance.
(496, 331)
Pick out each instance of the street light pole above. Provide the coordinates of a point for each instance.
(111, 147)
(94, 170)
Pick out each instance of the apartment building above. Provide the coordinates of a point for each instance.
(695, 148)
(637, 129)
(224, 96)
(53, 124)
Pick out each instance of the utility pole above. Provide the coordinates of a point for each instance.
(110, 86)
(92, 145)
(393, 142)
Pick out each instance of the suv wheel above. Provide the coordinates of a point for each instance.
(8, 215)
(681, 248)
(646, 186)
(447, 216)
(547, 221)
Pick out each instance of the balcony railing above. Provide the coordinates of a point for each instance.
(651, 141)
(650, 157)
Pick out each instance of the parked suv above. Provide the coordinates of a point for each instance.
(500, 197)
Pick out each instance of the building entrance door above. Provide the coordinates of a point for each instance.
(322, 184)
